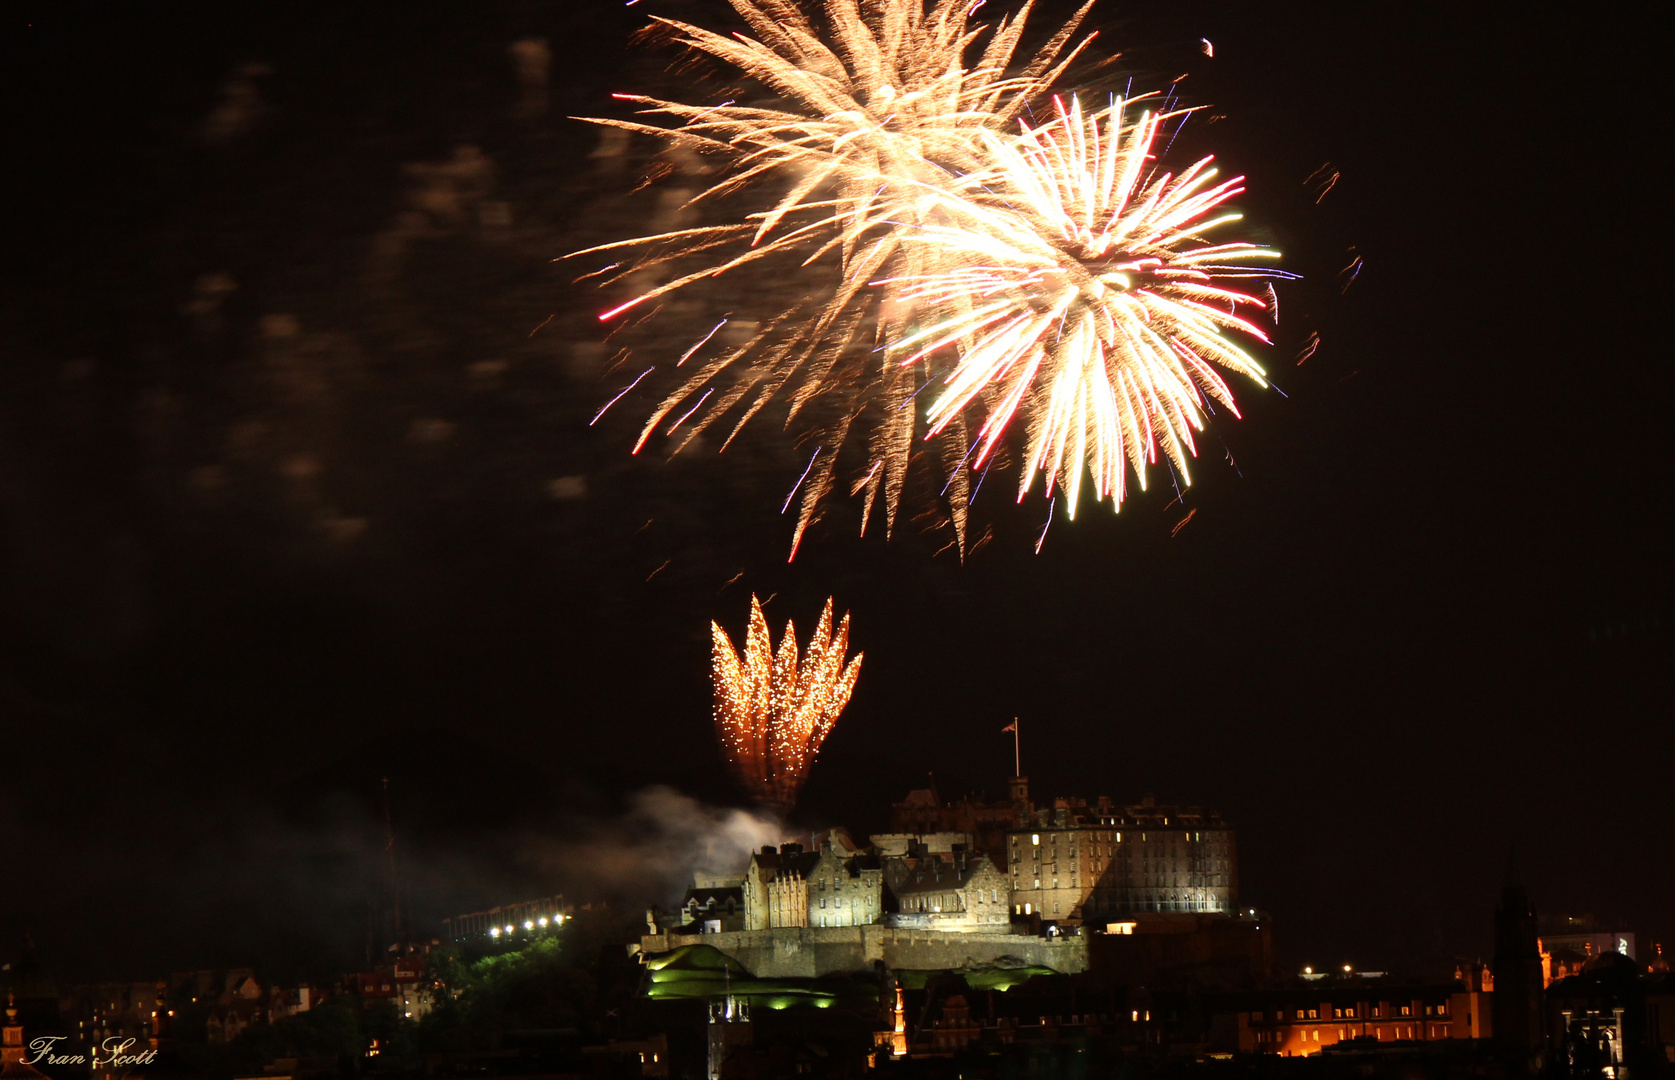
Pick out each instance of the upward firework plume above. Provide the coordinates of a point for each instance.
(772, 712)
(878, 110)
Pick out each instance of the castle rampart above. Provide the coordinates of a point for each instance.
(809, 952)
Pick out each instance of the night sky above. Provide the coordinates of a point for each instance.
(261, 552)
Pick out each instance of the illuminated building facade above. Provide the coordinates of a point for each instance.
(1090, 862)
(1095, 863)
(1297, 1023)
(1567, 944)
(959, 893)
(838, 884)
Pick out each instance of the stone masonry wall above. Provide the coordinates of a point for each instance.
(809, 952)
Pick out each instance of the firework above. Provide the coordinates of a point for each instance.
(878, 111)
(1077, 288)
(772, 712)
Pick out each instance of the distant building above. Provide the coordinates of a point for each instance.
(242, 1005)
(1304, 1021)
(1568, 943)
(1612, 1019)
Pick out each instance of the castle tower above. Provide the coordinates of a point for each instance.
(1018, 788)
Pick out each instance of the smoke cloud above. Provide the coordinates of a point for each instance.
(307, 896)
(654, 850)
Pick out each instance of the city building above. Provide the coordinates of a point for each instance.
(1614, 1019)
(1304, 1021)
(1569, 942)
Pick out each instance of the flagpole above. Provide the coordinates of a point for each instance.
(1017, 751)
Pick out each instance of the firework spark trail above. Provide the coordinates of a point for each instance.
(1079, 292)
(881, 110)
(621, 392)
(772, 712)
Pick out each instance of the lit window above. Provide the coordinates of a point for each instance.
(1035, 838)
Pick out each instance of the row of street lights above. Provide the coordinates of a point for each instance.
(530, 926)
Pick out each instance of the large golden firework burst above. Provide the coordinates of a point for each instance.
(1076, 286)
(772, 711)
(880, 107)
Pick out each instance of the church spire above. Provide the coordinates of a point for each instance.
(13, 1054)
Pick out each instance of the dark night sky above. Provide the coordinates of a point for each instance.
(1424, 621)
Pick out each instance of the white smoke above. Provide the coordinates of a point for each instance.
(655, 849)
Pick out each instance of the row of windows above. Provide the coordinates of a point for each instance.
(1349, 1012)
(1398, 1031)
(1216, 838)
(838, 903)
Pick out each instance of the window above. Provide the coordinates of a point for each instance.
(1035, 838)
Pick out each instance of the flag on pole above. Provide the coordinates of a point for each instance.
(1013, 726)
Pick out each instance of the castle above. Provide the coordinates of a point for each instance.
(968, 883)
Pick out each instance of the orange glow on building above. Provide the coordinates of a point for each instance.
(1309, 1022)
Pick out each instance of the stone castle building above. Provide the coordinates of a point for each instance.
(1078, 862)
(967, 883)
(961, 892)
(838, 884)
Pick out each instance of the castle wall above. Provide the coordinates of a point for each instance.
(809, 952)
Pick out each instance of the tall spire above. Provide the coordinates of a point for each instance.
(13, 1054)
